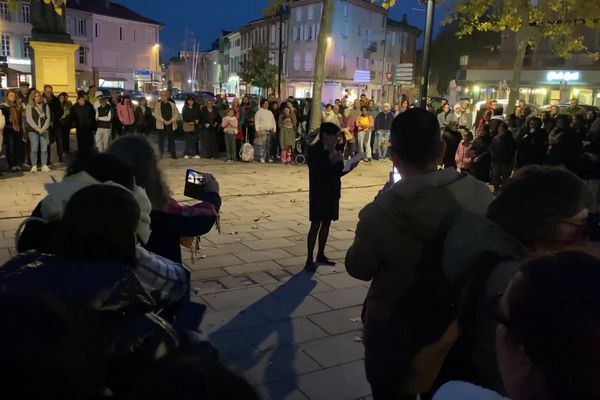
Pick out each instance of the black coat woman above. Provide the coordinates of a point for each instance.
(325, 168)
(210, 121)
(84, 117)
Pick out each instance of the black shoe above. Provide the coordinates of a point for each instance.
(325, 261)
(173, 157)
(310, 266)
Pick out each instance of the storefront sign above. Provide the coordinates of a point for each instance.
(361, 76)
(566, 76)
(142, 74)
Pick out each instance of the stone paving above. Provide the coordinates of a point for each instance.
(292, 334)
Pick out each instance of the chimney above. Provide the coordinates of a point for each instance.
(404, 18)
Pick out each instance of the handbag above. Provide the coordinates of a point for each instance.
(189, 127)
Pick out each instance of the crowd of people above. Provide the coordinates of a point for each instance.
(473, 294)
(441, 250)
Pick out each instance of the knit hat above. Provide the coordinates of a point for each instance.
(99, 94)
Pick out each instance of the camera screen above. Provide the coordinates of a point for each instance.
(396, 175)
(194, 177)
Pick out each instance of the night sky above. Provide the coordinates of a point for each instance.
(206, 22)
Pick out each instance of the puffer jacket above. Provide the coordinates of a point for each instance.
(135, 337)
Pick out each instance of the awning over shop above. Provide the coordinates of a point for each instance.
(22, 69)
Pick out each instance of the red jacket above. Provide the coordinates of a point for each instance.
(126, 113)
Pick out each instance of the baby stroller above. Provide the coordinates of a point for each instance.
(301, 144)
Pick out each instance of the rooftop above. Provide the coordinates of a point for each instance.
(110, 9)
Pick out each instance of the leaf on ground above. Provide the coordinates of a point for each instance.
(254, 227)
(292, 200)
(256, 219)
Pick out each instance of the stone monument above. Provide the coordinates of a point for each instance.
(53, 48)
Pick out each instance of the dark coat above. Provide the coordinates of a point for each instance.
(191, 114)
(84, 117)
(503, 149)
(108, 291)
(169, 226)
(452, 139)
(144, 120)
(481, 152)
(531, 147)
(565, 149)
(325, 184)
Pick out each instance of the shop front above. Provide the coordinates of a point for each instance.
(13, 71)
(538, 87)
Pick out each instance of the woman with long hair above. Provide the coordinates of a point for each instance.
(65, 123)
(209, 123)
(38, 118)
(144, 121)
(13, 131)
(191, 125)
(169, 221)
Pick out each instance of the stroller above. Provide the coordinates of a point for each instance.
(301, 144)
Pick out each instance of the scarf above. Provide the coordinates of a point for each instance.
(15, 116)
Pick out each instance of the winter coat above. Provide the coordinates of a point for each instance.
(191, 114)
(126, 114)
(111, 294)
(452, 139)
(264, 121)
(230, 125)
(175, 222)
(531, 147)
(464, 156)
(395, 239)
(475, 242)
(144, 119)
(84, 117)
(383, 121)
(160, 122)
(503, 149)
(482, 160)
(444, 119)
(565, 148)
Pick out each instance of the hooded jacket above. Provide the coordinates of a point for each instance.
(110, 291)
(394, 229)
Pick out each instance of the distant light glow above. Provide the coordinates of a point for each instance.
(566, 76)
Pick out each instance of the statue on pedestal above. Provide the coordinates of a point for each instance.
(48, 21)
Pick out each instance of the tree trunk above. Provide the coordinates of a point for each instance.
(515, 82)
(326, 21)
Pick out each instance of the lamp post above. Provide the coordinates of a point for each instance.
(426, 50)
(282, 10)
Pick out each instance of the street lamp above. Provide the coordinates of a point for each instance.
(426, 49)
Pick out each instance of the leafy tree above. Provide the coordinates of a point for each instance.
(257, 70)
(560, 21)
(447, 49)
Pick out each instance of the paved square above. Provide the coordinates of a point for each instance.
(293, 334)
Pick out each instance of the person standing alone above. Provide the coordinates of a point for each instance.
(265, 126)
(383, 124)
(166, 115)
(103, 122)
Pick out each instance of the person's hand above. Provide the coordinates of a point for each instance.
(385, 188)
(168, 123)
(210, 183)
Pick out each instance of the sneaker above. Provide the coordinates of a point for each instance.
(270, 161)
(173, 157)
(197, 157)
(186, 157)
(25, 166)
(45, 168)
(262, 160)
(33, 169)
(229, 161)
(15, 169)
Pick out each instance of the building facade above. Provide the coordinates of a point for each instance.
(118, 47)
(265, 33)
(359, 50)
(232, 52)
(546, 78)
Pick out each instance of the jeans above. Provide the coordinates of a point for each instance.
(230, 146)
(128, 129)
(364, 143)
(41, 142)
(166, 133)
(261, 144)
(191, 139)
(103, 139)
(382, 142)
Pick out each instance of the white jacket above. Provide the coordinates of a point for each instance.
(264, 121)
(35, 125)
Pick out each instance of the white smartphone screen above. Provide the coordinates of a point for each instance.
(395, 175)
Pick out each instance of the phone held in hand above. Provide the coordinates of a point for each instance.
(194, 184)
(395, 175)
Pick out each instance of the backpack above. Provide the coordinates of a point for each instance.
(247, 151)
(436, 313)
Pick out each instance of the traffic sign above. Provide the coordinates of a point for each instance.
(403, 73)
(389, 75)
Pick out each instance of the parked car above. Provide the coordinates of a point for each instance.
(563, 106)
(203, 96)
(135, 96)
(504, 102)
(180, 100)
